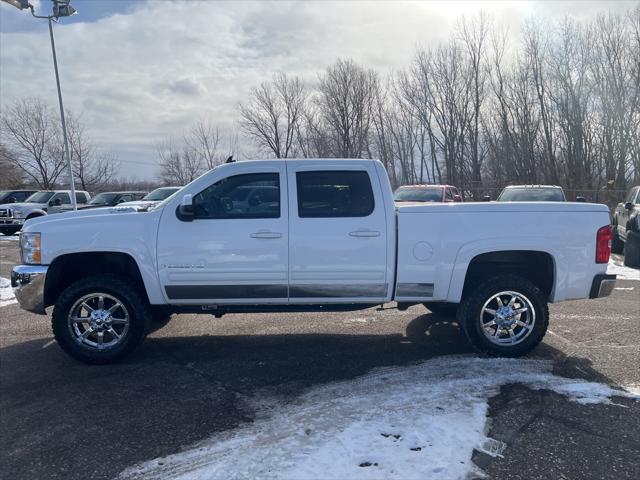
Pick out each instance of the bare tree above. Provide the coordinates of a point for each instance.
(29, 133)
(178, 166)
(344, 103)
(474, 33)
(273, 114)
(12, 176)
(205, 140)
(92, 168)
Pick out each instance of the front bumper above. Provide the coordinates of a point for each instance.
(602, 285)
(28, 286)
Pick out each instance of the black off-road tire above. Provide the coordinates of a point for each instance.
(122, 289)
(632, 250)
(617, 245)
(471, 307)
(443, 309)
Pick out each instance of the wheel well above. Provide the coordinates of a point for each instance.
(537, 267)
(69, 268)
(33, 215)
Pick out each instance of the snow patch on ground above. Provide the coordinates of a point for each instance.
(616, 266)
(6, 292)
(421, 421)
(633, 388)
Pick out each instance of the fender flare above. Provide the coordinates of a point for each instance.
(35, 213)
(469, 251)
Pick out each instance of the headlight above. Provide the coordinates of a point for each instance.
(17, 213)
(30, 248)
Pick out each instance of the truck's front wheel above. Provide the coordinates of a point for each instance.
(505, 315)
(100, 319)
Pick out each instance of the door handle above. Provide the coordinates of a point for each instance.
(365, 233)
(265, 234)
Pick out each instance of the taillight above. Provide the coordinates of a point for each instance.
(603, 244)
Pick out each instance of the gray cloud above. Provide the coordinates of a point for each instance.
(186, 86)
(141, 76)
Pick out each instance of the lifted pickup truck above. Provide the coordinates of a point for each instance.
(329, 239)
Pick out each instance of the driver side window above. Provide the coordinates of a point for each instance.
(253, 195)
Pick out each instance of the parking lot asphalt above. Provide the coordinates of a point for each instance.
(198, 375)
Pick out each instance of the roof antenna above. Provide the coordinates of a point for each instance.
(230, 159)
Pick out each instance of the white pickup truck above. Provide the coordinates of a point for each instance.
(308, 235)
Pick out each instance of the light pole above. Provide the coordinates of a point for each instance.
(61, 8)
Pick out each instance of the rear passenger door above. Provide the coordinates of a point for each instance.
(337, 231)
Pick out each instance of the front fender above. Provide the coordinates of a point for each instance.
(133, 234)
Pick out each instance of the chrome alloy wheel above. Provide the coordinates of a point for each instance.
(98, 321)
(507, 318)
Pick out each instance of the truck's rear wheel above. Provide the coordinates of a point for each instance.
(100, 319)
(505, 315)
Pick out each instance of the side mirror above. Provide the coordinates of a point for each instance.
(12, 200)
(580, 198)
(457, 198)
(486, 198)
(628, 206)
(185, 209)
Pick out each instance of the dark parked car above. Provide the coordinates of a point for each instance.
(626, 228)
(108, 199)
(532, 193)
(15, 196)
(427, 194)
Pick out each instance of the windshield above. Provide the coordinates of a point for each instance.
(40, 197)
(531, 195)
(161, 193)
(103, 198)
(417, 194)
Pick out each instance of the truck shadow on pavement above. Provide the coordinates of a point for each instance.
(175, 391)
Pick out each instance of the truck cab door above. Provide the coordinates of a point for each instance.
(235, 249)
(338, 233)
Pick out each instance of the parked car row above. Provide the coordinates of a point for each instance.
(626, 228)
(18, 206)
(449, 193)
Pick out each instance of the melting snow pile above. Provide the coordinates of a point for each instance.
(616, 266)
(6, 292)
(421, 421)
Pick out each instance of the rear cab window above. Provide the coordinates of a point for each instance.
(334, 194)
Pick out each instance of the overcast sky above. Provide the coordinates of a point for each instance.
(140, 71)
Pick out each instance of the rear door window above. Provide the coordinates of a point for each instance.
(326, 194)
